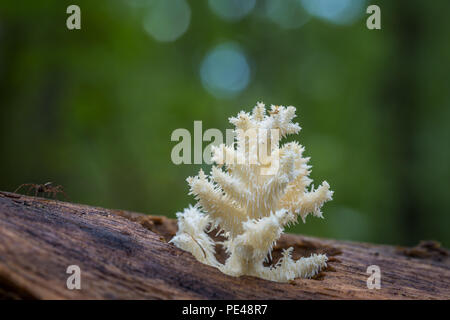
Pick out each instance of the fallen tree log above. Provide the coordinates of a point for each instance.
(124, 255)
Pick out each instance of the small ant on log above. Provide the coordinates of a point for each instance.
(46, 188)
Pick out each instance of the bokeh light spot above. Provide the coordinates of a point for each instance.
(288, 14)
(167, 20)
(225, 71)
(335, 11)
(232, 9)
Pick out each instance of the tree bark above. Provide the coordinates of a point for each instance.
(125, 255)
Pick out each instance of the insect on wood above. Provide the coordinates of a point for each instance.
(47, 189)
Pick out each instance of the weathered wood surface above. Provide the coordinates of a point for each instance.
(123, 255)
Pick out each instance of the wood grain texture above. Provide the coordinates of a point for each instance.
(124, 255)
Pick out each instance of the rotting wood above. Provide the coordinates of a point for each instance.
(126, 255)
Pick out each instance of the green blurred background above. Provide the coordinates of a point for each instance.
(94, 109)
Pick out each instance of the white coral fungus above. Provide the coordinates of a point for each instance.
(250, 201)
